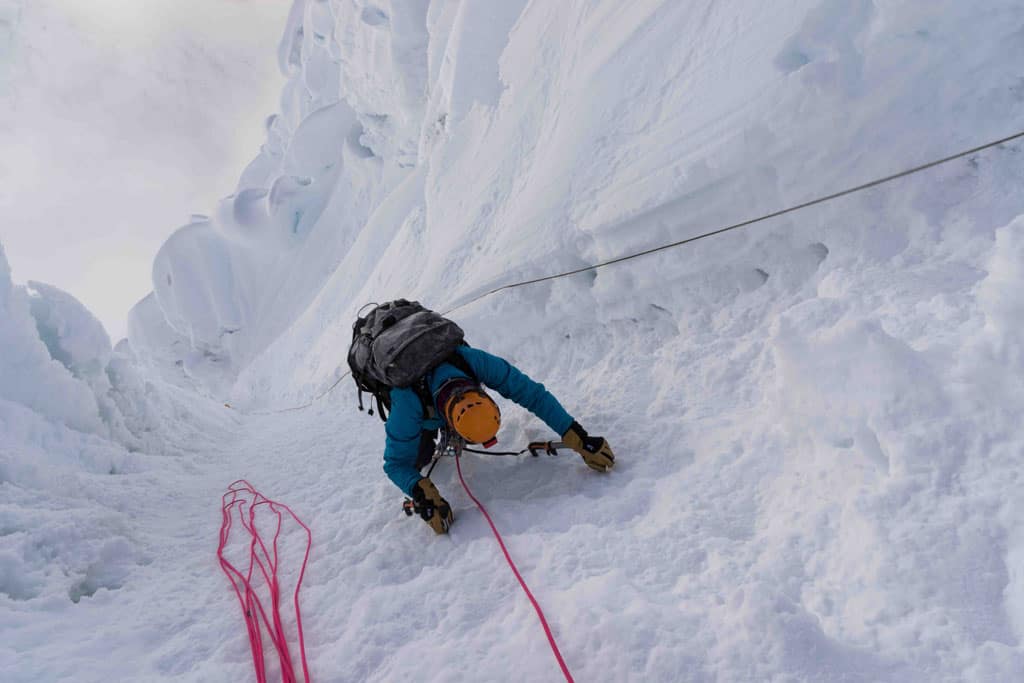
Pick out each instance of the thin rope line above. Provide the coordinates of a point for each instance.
(743, 224)
(688, 240)
(515, 570)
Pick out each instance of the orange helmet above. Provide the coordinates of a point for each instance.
(470, 412)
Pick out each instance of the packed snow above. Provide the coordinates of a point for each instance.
(816, 418)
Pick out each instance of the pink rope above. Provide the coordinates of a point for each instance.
(526, 589)
(241, 496)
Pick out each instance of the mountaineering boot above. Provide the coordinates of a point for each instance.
(595, 449)
(434, 509)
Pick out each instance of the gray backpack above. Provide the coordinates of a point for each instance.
(395, 345)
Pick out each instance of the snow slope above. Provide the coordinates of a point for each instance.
(816, 418)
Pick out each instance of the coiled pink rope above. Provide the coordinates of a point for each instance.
(515, 570)
(241, 496)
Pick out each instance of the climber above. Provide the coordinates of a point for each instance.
(448, 394)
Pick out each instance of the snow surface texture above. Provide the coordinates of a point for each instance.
(816, 419)
(75, 416)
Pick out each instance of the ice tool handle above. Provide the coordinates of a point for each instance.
(549, 447)
(454, 446)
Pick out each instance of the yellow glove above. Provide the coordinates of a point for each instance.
(595, 449)
(434, 509)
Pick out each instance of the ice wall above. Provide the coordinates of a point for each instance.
(228, 284)
(57, 362)
(29, 373)
(481, 144)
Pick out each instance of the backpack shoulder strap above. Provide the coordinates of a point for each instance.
(423, 392)
(462, 364)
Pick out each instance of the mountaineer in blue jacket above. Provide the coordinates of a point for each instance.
(460, 403)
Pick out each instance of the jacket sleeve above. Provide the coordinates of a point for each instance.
(514, 385)
(401, 446)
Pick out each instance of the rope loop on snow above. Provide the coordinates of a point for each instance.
(519, 577)
(244, 499)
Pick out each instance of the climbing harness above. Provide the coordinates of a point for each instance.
(243, 501)
(448, 445)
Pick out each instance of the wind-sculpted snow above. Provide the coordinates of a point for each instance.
(229, 283)
(71, 333)
(57, 364)
(74, 415)
(29, 375)
(555, 135)
(817, 419)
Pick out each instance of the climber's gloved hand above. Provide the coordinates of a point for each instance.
(434, 509)
(595, 449)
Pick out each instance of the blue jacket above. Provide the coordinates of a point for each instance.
(407, 419)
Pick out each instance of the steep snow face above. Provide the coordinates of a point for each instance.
(814, 416)
(229, 283)
(816, 419)
(554, 136)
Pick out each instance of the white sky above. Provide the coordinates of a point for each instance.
(119, 119)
